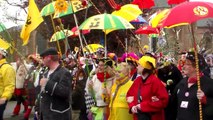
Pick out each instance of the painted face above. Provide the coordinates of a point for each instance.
(121, 72)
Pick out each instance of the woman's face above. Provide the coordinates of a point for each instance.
(101, 66)
(121, 72)
(189, 68)
(140, 69)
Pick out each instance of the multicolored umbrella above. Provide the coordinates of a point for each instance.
(92, 47)
(158, 19)
(105, 22)
(147, 30)
(4, 44)
(187, 13)
(60, 35)
(75, 31)
(2, 27)
(50, 9)
(139, 20)
(128, 12)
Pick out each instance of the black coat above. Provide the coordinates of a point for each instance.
(192, 111)
(55, 99)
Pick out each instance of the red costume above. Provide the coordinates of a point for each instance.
(152, 86)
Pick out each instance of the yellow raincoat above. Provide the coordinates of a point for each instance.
(7, 80)
(119, 109)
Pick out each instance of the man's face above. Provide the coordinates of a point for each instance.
(46, 60)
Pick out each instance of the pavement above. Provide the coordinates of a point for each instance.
(9, 110)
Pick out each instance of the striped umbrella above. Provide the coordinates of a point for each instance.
(4, 44)
(2, 27)
(105, 22)
(62, 34)
(50, 9)
(92, 47)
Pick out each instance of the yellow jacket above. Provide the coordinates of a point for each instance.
(7, 80)
(119, 109)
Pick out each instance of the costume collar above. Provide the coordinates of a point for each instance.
(3, 61)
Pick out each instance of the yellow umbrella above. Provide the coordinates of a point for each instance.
(157, 20)
(62, 34)
(129, 12)
(92, 47)
(4, 44)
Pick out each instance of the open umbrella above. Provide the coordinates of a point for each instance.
(4, 44)
(147, 30)
(91, 48)
(62, 34)
(187, 13)
(75, 31)
(105, 22)
(170, 2)
(158, 19)
(128, 12)
(2, 27)
(50, 9)
(139, 20)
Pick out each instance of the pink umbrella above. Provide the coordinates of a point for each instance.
(74, 30)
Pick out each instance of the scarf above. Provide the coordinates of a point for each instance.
(194, 79)
(101, 76)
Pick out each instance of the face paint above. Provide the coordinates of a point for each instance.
(121, 75)
(118, 68)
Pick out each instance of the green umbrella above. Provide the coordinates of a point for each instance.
(50, 9)
(2, 27)
(60, 35)
(105, 22)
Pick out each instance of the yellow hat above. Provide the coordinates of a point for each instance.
(144, 62)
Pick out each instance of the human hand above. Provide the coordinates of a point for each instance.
(138, 106)
(154, 99)
(2, 101)
(134, 109)
(90, 84)
(43, 82)
(200, 94)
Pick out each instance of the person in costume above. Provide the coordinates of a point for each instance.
(186, 94)
(7, 81)
(119, 109)
(147, 97)
(99, 87)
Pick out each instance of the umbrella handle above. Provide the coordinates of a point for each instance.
(197, 71)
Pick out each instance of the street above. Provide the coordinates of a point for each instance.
(9, 110)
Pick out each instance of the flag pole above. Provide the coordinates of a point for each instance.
(76, 23)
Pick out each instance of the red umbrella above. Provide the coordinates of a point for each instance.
(187, 13)
(74, 30)
(147, 30)
(170, 2)
(144, 4)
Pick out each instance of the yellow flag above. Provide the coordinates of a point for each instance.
(32, 22)
(4, 44)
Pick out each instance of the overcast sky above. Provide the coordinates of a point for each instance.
(8, 12)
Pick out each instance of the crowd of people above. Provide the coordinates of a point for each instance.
(98, 87)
